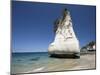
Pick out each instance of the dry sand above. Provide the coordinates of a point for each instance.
(86, 61)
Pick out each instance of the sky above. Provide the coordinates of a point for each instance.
(32, 24)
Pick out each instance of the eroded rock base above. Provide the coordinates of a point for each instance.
(65, 55)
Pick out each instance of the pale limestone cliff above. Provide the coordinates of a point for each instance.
(65, 41)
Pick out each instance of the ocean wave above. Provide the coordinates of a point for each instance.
(38, 69)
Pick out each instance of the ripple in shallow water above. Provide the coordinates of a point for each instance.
(35, 59)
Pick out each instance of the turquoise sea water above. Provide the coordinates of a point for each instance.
(28, 62)
(41, 62)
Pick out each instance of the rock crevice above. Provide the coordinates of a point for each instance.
(65, 41)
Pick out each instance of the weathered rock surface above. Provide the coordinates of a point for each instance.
(65, 41)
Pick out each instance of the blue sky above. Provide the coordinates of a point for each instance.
(32, 24)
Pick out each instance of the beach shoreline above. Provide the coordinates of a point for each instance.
(85, 62)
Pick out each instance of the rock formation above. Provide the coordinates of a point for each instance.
(65, 43)
(91, 46)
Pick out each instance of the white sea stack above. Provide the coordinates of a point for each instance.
(65, 41)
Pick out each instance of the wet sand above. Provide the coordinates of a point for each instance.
(86, 61)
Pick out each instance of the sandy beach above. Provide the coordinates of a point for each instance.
(86, 61)
(48, 64)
